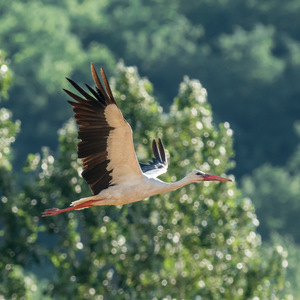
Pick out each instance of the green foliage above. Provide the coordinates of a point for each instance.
(275, 192)
(15, 284)
(252, 51)
(291, 253)
(8, 129)
(199, 241)
(5, 76)
(13, 255)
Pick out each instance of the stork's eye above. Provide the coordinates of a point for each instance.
(198, 173)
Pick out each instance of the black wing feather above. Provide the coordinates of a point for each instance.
(159, 164)
(93, 131)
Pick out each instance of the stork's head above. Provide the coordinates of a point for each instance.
(197, 176)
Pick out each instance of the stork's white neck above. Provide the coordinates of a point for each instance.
(165, 187)
(178, 184)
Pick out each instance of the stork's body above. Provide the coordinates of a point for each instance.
(110, 165)
(134, 190)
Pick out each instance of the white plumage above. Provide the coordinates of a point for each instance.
(110, 165)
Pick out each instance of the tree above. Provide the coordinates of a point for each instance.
(8, 129)
(275, 192)
(202, 236)
(15, 238)
(276, 198)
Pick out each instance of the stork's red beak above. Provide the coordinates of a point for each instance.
(209, 177)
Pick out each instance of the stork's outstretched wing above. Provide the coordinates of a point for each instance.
(106, 147)
(159, 164)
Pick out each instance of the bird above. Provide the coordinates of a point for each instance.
(106, 149)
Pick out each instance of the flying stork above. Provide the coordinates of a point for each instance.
(110, 165)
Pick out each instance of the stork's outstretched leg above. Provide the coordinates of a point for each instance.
(55, 211)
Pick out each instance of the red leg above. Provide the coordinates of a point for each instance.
(55, 211)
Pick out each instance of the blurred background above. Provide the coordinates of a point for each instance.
(238, 64)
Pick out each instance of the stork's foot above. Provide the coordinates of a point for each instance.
(51, 212)
(56, 211)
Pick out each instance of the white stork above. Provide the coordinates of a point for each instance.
(110, 165)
